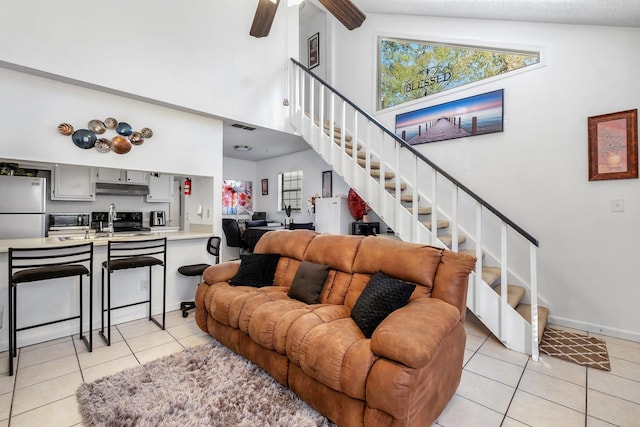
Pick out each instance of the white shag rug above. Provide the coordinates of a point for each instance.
(208, 385)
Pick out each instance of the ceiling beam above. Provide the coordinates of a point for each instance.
(346, 12)
(263, 18)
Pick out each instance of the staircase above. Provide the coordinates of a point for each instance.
(414, 197)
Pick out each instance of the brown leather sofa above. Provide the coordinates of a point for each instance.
(404, 375)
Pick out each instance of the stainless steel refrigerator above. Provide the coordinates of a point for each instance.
(22, 207)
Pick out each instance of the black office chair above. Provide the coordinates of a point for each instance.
(257, 216)
(301, 226)
(36, 264)
(232, 233)
(126, 254)
(213, 247)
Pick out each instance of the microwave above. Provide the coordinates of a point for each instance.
(69, 221)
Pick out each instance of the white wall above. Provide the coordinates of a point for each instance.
(536, 170)
(197, 54)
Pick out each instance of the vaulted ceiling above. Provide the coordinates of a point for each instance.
(620, 13)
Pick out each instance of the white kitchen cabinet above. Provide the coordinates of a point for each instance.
(71, 182)
(160, 188)
(121, 176)
(333, 215)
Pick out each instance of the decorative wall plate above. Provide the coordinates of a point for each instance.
(65, 129)
(136, 138)
(103, 145)
(97, 126)
(146, 133)
(124, 129)
(110, 123)
(84, 138)
(120, 145)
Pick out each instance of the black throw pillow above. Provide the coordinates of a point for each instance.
(308, 282)
(256, 270)
(381, 296)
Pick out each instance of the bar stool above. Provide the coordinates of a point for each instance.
(127, 254)
(213, 247)
(37, 264)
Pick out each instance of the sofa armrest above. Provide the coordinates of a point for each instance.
(412, 334)
(221, 272)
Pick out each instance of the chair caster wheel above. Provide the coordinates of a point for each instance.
(185, 314)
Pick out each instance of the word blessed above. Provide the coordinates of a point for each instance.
(431, 76)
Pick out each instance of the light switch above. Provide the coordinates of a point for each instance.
(617, 205)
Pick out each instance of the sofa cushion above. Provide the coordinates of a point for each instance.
(256, 270)
(308, 282)
(381, 296)
(336, 354)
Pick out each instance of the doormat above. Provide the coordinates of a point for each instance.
(577, 348)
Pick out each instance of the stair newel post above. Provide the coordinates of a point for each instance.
(478, 278)
(503, 283)
(312, 112)
(533, 266)
(320, 117)
(454, 218)
(434, 206)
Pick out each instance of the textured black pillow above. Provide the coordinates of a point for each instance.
(256, 270)
(381, 296)
(308, 282)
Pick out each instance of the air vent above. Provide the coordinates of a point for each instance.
(238, 125)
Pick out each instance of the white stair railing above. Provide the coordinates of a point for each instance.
(320, 113)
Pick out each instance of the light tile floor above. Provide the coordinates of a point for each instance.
(499, 387)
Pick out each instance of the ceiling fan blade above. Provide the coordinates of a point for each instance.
(346, 12)
(263, 18)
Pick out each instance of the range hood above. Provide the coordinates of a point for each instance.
(116, 189)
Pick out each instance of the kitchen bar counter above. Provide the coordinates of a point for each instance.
(171, 235)
(41, 303)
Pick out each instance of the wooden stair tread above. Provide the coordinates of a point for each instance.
(514, 294)
(424, 210)
(447, 239)
(406, 198)
(491, 274)
(441, 224)
(471, 252)
(375, 173)
(361, 154)
(543, 317)
(372, 164)
(391, 185)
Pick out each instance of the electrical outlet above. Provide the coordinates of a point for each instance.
(144, 285)
(617, 205)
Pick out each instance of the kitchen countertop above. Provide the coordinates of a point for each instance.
(98, 241)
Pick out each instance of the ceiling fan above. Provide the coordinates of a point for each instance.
(344, 10)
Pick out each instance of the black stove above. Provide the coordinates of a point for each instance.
(124, 222)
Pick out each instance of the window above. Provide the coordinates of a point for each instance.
(290, 189)
(413, 69)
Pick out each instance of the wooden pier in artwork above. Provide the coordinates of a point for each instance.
(443, 128)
